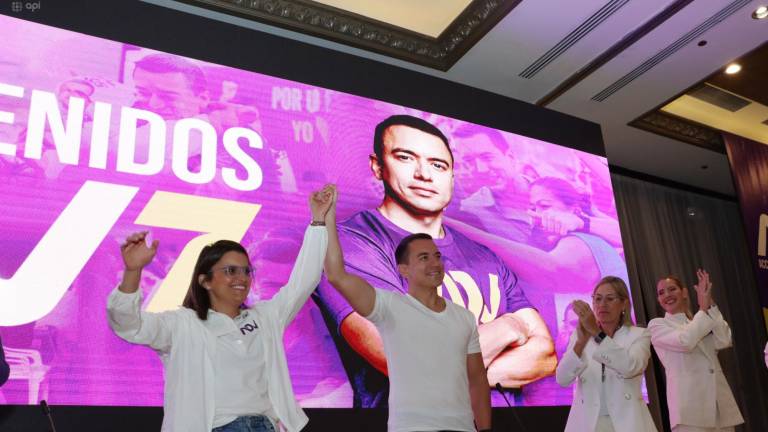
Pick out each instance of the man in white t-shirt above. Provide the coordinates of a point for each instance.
(437, 378)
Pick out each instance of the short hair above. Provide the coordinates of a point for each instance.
(622, 291)
(166, 63)
(401, 253)
(197, 297)
(468, 130)
(409, 121)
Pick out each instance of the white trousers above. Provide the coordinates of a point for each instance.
(604, 424)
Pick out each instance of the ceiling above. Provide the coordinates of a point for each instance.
(735, 103)
(607, 61)
(426, 17)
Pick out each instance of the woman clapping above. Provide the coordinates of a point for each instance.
(606, 356)
(698, 395)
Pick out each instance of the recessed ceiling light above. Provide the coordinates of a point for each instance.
(760, 13)
(733, 68)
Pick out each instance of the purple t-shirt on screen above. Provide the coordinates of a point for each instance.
(475, 278)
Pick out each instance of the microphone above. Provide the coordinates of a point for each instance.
(500, 389)
(47, 412)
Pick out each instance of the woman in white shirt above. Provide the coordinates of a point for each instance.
(606, 357)
(225, 366)
(698, 395)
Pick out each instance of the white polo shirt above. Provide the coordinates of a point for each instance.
(241, 384)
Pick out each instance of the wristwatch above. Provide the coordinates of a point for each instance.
(317, 223)
(599, 337)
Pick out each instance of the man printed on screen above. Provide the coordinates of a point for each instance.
(493, 188)
(175, 88)
(413, 160)
(170, 86)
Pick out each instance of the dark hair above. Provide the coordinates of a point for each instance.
(166, 63)
(409, 121)
(469, 130)
(565, 192)
(197, 297)
(401, 253)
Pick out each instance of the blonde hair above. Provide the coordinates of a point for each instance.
(677, 281)
(622, 291)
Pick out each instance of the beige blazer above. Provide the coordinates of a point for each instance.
(696, 386)
(625, 357)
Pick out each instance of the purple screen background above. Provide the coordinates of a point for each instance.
(311, 136)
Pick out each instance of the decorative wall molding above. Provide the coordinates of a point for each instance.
(680, 129)
(330, 23)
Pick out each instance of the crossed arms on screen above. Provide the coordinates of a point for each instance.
(516, 347)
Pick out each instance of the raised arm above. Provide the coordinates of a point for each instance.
(628, 362)
(124, 312)
(136, 255)
(562, 223)
(721, 331)
(680, 338)
(358, 292)
(573, 363)
(684, 338)
(308, 267)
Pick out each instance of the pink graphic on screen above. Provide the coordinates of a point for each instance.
(99, 139)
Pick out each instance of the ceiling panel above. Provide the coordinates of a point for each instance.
(534, 27)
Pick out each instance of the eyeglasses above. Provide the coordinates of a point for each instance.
(604, 299)
(232, 270)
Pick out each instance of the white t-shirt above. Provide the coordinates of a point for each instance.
(241, 385)
(427, 362)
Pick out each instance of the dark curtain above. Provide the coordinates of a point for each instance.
(672, 231)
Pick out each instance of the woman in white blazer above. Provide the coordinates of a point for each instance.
(606, 357)
(698, 395)
(225, 366)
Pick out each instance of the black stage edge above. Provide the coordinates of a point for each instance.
(24, 418)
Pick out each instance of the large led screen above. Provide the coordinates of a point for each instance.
(99, 139)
